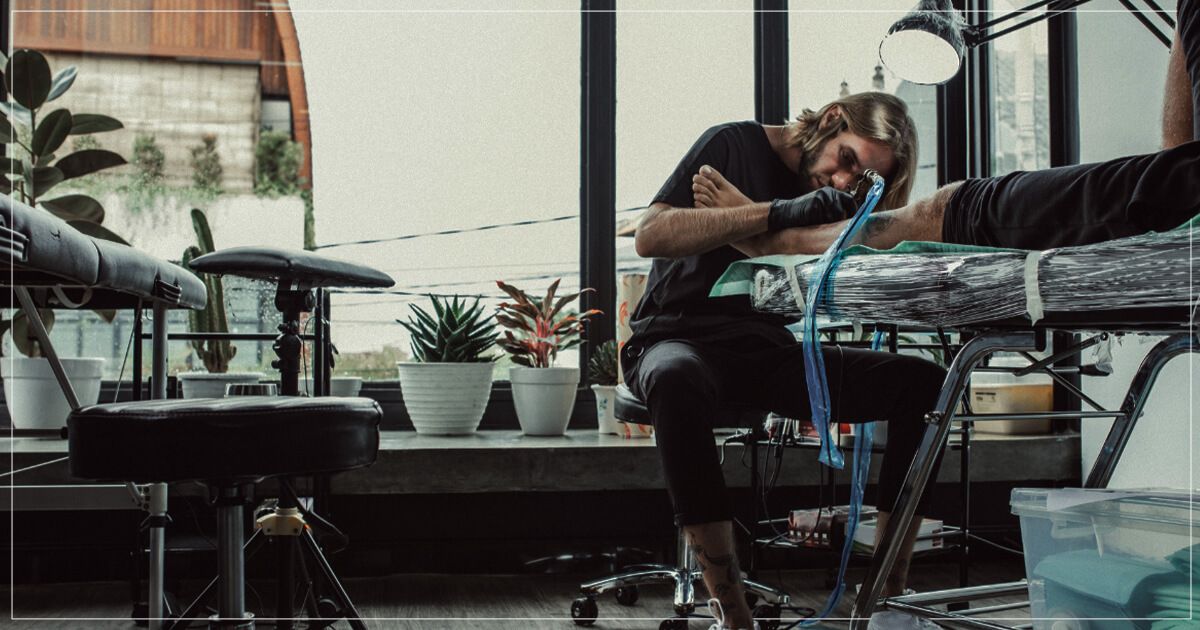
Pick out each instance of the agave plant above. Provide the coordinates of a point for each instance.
(537, 330)
(215, 353)
(33, 167)
(602, 368)
(455, 333)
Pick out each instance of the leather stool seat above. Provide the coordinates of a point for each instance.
(630, 408)
(222, 439)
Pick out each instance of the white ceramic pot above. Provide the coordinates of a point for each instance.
(35, 401)
(606, 403)
(544, 398)
(346, 386)
(445, 398)
(206, 385)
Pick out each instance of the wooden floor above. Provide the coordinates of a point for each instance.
(469, 602)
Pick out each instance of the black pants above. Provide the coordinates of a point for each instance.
(685, 383)
(1077, 205)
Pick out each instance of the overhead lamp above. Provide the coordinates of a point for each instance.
(925, 46)
(928, 44)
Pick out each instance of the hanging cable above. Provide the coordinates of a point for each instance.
(481, 228)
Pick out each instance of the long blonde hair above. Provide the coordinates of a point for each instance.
(873, 115)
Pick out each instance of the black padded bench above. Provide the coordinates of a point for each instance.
(224, 443)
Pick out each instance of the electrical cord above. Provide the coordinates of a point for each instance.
(124, 360)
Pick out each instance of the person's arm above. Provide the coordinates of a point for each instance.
(1177, 100)
(669, 232)
(918, 221)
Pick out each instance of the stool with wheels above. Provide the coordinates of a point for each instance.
(683, 574)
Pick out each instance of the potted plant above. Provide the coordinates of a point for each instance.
(32, 393)
(214, 353)
(602, 372)
(447, 384)
(34, 167)
(537, 330)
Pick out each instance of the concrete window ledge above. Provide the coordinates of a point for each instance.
(583, 460)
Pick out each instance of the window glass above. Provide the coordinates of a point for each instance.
(428, 118)
(1020, 86)
(682, 67)
(188, 87)
(434, 118)
(1125, 121)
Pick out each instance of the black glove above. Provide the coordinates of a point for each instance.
(825, 205)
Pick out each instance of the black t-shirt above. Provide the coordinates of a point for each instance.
(676, 303)
(1188, 23)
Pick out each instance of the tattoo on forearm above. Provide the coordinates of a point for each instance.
(877, 224)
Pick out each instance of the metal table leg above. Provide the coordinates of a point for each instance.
(918, 474)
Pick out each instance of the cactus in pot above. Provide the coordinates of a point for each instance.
(447, 385)
(216, 354)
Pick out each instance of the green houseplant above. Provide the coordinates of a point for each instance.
(537, 330)
(603, 374)
(215, 354)
(34, 139)
(447, 384)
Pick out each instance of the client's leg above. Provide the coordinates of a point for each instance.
(920, 220)
(1057, 207)
(682, 384)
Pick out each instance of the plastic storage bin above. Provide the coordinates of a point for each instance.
(1107, 559)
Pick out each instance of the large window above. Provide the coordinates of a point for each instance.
(833, 50)
(441, 118)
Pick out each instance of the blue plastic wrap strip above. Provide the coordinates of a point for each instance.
(865, 438)
(814, 364)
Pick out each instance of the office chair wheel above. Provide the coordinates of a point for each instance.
(768, 616)
(627, 595)
(675, 623)
(328, 608)
(584, 611)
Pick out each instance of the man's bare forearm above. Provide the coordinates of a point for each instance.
(918, 221)
(1177, 101)
(667, 232)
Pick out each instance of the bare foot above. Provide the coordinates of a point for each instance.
(710, 189)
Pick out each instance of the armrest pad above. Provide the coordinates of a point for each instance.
(272, 263)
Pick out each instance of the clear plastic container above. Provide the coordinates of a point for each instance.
(1002, 392)
(1101, 559)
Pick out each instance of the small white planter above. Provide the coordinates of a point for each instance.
(606, 403)
(35, 401)
(345, 386)
(544, 398)
(445, 398)
(206, 385)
